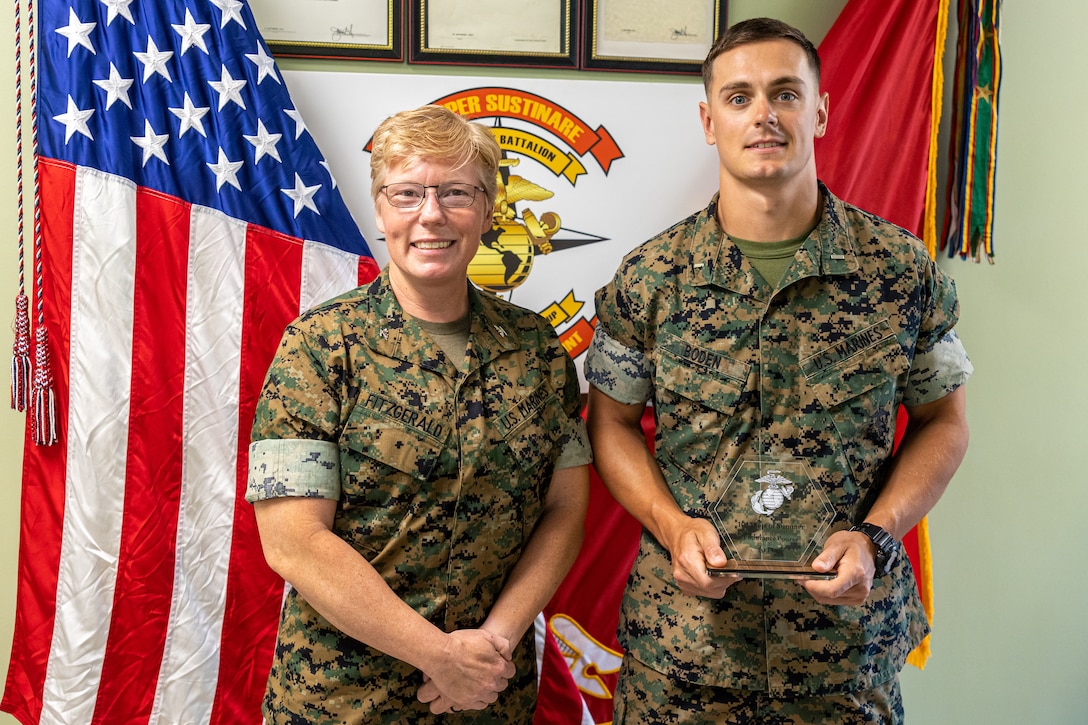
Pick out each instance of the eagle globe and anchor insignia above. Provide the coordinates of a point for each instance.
(505, 257)
(779, 489)
(773, 517)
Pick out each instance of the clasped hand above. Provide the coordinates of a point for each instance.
(470, 672)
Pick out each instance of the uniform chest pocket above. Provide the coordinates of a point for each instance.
(697, 392)
(384, 465)
(530, 427)
(869, 364)
(699, 376)
(857, 382)
(402, 449)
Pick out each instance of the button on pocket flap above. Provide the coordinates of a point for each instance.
(856, 365)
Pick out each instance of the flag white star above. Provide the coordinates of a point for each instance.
(300, 125)
(192, 33)
(226, 171)
(118, 7)
(328, 169)
(151, 143)
(230, 9)
(154, 60)
(77, 32)
(116, 88)
(75, 119)
(303, 196)
(228, 89)
(264, 143)
(190, 117)
(265, 65)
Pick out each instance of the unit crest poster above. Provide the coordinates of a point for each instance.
(591, 169)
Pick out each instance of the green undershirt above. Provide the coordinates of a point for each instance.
(452, 337)
(771, 259)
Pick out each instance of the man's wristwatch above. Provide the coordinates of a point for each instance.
(886, 550)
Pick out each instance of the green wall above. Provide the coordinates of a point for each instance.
(1009, 537)
(1010, 644)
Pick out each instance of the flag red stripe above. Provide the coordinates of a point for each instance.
(368, 269)
(42, 513)
(254, 592)
(141, 606)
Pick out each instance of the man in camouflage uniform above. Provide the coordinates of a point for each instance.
(797, 345)
(419, 465)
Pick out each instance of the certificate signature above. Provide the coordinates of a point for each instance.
(324, 20)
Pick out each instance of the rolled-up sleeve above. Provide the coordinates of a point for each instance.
(618, 371)
(281, 468)
(940, 362)
(938, 371)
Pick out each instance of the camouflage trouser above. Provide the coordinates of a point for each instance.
(644, 696)
(390, 699)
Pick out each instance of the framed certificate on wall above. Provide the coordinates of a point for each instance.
(370, 30)
(494, 32)
(662, 36)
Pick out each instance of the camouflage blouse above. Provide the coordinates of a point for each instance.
(812, 371)
(440, 474)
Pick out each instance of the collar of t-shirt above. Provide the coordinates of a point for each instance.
(452, 337)
(771, 259)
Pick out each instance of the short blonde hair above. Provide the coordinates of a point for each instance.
(434, 133)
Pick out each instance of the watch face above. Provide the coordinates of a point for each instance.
(883, 562)
(888, 554)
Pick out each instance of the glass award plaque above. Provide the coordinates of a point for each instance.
(773, 518)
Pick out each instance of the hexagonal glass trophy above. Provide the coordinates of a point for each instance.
(773, 518)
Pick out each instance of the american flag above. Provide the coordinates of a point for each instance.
(186, 217)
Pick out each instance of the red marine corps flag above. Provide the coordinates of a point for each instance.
(186, 217)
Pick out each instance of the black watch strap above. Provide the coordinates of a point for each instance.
(886, 550)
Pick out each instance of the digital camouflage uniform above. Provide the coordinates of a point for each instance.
(440, 475)
(861, 322)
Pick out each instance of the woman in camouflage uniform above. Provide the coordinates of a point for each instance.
(419, 466)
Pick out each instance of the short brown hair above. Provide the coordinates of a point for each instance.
(434, 133)
(754, 31)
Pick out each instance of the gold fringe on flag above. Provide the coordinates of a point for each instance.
(920, 654)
